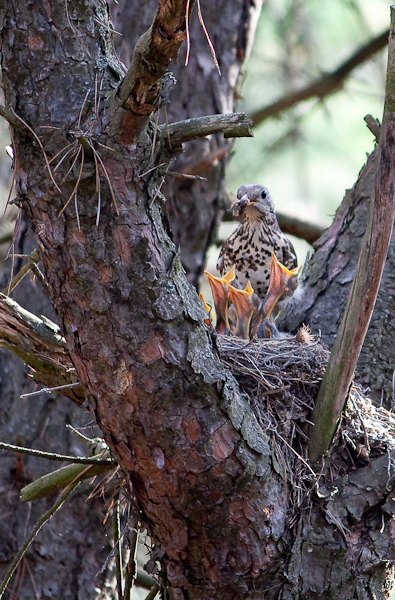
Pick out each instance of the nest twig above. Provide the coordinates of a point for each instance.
(281, 379)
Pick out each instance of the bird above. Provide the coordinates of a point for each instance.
(241, 312)
(220, 290)
(283, 284)
(246, 304)
(250, 246)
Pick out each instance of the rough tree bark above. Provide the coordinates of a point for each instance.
(193, 223)
(205, 475)
(327, 285)
(40, 422)
(195, 208)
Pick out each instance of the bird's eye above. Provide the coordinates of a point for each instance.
(264, 194)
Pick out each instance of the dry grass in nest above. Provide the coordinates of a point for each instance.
(281, 378)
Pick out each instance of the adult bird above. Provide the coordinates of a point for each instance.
(250, 247)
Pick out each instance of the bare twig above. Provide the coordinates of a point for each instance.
(185, 176)
(231, 125)
(325, 85)
(373, 125)
(131, 568)
(22, 551)
(351, 334)
(52, 389)
(61, 457)
(118, 547)
(56, 481)
(154, 591)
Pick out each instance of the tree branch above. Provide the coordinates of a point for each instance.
(328, 84)
(139, 93)
(231, 125)
(340, 370)
(39, 344)
(10, 117)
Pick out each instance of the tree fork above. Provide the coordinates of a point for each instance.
(351, 334)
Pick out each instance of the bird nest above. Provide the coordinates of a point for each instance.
(281, 377)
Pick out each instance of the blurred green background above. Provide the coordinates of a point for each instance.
(310, 154)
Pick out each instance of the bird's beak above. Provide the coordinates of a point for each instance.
(281, 278)
(230, 275)
(244, 200)
(220, 291)
(207, 308)
(245, 306)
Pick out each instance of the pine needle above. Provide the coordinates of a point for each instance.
(208, 37)
(41, 146)
(76, 185)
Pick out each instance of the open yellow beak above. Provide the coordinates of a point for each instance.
(220, 290)
(243, 301)
(282, 282)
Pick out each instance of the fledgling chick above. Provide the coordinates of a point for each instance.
(283, 283)
(246, 304)
(220, 290)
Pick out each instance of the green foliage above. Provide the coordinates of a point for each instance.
(313, 152)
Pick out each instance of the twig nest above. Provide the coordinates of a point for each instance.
(281, 377)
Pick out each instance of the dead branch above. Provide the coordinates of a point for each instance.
(345, 353)
(139, 93)
(373, 125)
(38, 343)
(328, 84)
(231, 125)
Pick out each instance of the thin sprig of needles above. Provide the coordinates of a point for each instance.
(41, 147)
(77, 183)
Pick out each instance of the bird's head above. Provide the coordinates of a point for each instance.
(254, 202)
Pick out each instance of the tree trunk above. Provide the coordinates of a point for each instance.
(195, 207)
(75, 542)
(208, 479)
(327, 285)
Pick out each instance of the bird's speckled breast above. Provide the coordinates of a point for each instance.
(249, 248)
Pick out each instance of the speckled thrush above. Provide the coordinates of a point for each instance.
(250, 247)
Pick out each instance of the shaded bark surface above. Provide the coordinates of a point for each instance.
(75, 540)
(206, 477)
(328, 282)
(195, 208)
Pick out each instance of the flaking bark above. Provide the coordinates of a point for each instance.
(205, 475)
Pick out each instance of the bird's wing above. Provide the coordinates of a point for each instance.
(289, 255)
(220, 261)
(227, 252)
